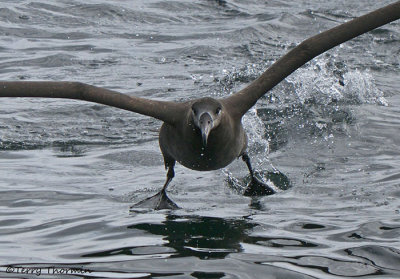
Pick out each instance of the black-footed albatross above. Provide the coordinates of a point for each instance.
(206, 134)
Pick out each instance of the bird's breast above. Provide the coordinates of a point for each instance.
(187, 148)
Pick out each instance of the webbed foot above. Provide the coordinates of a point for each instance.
(157, 202)
(160, 200)
(258, 188)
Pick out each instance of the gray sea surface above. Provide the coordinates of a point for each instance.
(70, 170)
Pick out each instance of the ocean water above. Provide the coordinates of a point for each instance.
(70, 170)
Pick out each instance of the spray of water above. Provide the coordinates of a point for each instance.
(316, 99)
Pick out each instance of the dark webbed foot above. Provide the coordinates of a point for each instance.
(258, 188)
(255, 187)
(161, 199)
(158, 201)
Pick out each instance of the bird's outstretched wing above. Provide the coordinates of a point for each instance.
(165, 111)
(243, 100)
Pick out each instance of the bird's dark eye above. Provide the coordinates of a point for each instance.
(194, 111)
(218, 110)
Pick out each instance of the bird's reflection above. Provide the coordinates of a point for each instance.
(202, 237)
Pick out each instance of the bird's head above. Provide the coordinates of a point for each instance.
(206, 115)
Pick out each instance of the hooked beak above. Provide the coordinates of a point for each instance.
(206, 124)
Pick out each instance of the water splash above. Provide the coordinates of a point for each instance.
(325, 81)
(316, 102)
(360, 87)
(255, 130)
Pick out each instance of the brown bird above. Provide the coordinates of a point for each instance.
(206, 134)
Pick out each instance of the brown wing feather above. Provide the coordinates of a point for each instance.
(165, 111)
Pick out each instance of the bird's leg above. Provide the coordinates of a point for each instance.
(255, 187)
(161, 199)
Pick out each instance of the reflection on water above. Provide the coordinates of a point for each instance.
(212, 247)
(326, 139)
(168, 245)
(204, 238)
(201, 237)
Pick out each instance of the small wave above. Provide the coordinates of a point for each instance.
(50, 61)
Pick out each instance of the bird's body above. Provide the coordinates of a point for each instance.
(207, 134)
(182, 142)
